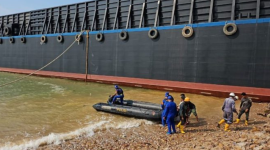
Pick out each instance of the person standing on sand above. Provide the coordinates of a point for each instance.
(183, 112)
(170, 113)
(183, 96)
(245, 106)
(163, 105)
(228, 108)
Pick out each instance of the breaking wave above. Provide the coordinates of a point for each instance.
(88, 131)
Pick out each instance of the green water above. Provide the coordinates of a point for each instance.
(36, 107)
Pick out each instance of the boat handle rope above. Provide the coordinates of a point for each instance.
(24, 77)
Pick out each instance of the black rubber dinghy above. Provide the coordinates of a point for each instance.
(137, 112)
(140, 104)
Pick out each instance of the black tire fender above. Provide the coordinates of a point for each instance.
(7, 30)
(99, 37)
(153, 33)
(184, 31)
(60, 38)
(225, 29)
(43, 39)
(123, 35)
(11, 40)
(23, 39)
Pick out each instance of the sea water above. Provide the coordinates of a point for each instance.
(38, 110)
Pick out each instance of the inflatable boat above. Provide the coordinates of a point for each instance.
(137, 112)
(140, 104)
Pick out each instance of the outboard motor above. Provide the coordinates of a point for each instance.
(110, 99)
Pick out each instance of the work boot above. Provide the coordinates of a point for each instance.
(237, 121)
(221, 121)
(182, 129)
(246, 123)
(178, 125)
(227, 128)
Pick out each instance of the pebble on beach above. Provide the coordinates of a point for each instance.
(198, 136)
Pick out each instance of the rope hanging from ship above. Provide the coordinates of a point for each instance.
(77, 39)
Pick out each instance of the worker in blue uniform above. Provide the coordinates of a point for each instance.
(118, 94)
(170, 113)
(171, 96)
(163, 105)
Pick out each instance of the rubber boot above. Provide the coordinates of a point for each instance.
(221, 121)
(178, 125)
(227, 127)
(237, 121)
(182, 129)
(246, 123)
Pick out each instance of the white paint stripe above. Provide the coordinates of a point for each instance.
(168, 89)
(206, 93)
(254, 97)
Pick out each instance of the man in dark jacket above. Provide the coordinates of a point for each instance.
(245, 105)
(228, 109)
(183, 113)
(192, 108)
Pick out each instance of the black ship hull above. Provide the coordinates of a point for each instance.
(208, 57)
(217, 42)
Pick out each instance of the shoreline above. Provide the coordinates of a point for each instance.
(256, 93)
(201, 135)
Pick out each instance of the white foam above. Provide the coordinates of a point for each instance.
(56, 139)
(130, 123)
(55, 88)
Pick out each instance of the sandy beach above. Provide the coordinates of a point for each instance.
(199, 135)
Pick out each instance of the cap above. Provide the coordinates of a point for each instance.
(170, 98)
(167, 94)
(236, 97)
(187, 99)
(116, 86)
(232, 94)
(243, 94)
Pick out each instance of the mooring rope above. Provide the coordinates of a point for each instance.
(14, 81)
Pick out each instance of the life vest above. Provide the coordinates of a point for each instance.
(119, 91)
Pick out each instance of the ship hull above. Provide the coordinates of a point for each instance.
(209, 56)
(257, 94)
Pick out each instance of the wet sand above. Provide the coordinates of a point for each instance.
(199, 135)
